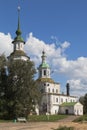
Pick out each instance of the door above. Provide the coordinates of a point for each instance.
(66, 111)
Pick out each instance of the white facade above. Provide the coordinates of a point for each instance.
(78, 109)
(18, 46)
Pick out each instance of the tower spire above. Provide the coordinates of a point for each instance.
(43, 57)
(18, 31)
(18, 44)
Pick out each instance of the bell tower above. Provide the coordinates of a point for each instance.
(18, 44)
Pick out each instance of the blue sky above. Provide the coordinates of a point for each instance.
(59, 27)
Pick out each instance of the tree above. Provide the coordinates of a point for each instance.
(3, 83)
(85, 103)
(81, 99)
(20, 90)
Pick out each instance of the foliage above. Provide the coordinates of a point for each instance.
(83, 100)
(85, 104)
(37, 118)
(64, 128)
(2, 61)
(18, 89)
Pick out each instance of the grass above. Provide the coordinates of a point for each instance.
(64, 128)
(50, 118)
(2, 121)
(81, 119)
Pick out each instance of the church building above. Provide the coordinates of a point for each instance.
(52, 99)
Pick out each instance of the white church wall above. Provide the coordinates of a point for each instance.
(52, 88)
(54, 109)
(78, 109)
(67, 110)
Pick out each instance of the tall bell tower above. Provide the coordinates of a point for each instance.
(18, 44)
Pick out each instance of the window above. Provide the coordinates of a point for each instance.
(44, 72)
(53, 90)
(56, 90)
(56, 99)
(44, 84)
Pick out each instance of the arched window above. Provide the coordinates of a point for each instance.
(56, 90)
(44, 72)
(53, 90)
(56, 99)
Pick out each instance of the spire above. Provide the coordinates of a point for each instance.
(44, 63)
(43, 57)
(18, 31)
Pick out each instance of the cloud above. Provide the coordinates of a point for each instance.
(5, 43)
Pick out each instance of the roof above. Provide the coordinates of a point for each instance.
(45, 80)
(18, 38)
(18, 53)
(68, 104)
(44, 65)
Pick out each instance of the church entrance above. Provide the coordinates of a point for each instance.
(66, 111)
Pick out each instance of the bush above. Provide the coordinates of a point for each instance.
(81, 119)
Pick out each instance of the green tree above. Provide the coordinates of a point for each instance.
(81, 99)
(3, 83)
(85, 103)
(21, 91)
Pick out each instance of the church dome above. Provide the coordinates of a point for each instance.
(44, 65)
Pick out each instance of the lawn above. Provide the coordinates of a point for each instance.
(51, 118)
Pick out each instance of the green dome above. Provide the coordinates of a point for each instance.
(44, 65)
(18, 38)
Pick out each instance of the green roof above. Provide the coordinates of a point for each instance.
(44, 65)
(67, 104)
(18, 38)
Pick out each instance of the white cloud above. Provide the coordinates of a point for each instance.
(5, 43)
